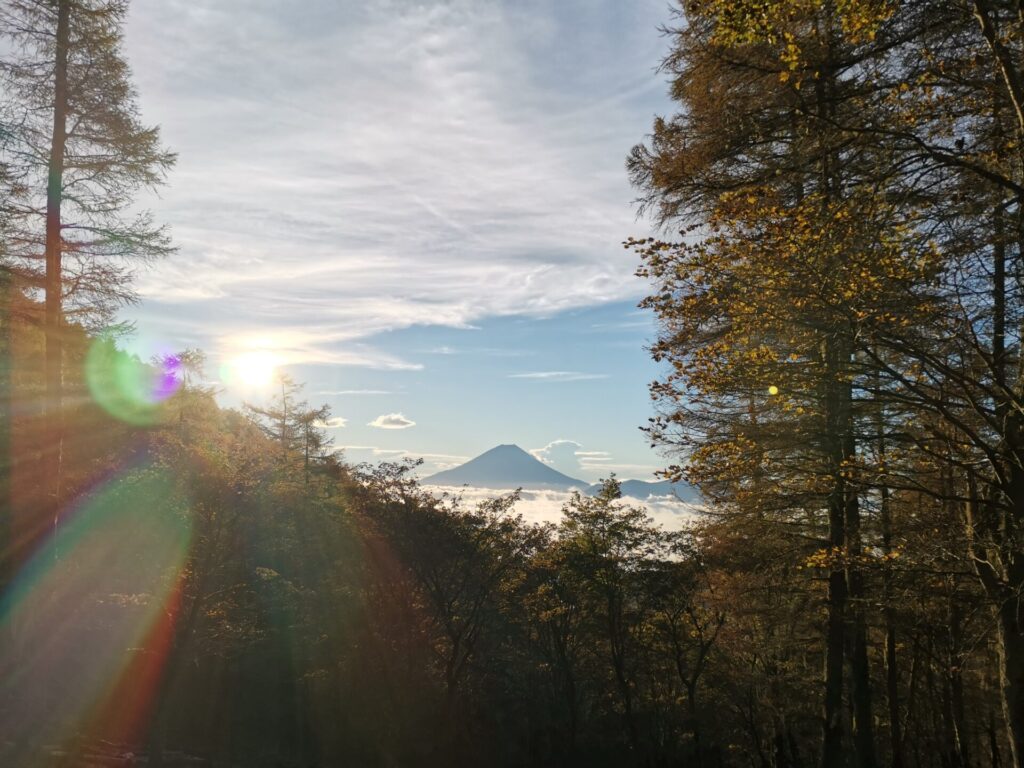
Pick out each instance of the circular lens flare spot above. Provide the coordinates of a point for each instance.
(127, 388)
(773, 390)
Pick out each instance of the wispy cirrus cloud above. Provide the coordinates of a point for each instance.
(587, 458)
(554, 376)
(353, 392)
(459, 168)
(432, 462)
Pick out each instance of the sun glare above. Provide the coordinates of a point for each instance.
(252, 370)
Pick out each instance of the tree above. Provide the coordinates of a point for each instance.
(801, 262)
(297, 428)
(607, 548)
(81, 154)
(910, 116)
(689, 622)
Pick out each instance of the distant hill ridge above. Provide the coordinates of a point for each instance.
(509, 466)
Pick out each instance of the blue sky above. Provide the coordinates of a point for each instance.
(417, 209)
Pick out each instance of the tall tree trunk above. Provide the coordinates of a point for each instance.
(995, 758)
(1001, 573)
(961, 745)
(832, 736)
(616, 636)
(1005, 60)
(1011, 676)
(993, 519)
(845, 598)
(892, 677)
(52, 281)
(694, 712)
(570, 695)
(832, 755)
(860, 673)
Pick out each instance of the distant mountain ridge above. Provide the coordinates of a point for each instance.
(509, 466)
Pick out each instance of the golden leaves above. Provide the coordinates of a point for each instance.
(836, 558)
(781, 25)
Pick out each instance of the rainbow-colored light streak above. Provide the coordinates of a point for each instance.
(88, 622)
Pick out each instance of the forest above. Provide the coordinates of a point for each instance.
(838, 286)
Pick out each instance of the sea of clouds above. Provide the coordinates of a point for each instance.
(546, 506)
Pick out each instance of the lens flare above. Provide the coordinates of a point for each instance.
(127, 388)
(88, 620)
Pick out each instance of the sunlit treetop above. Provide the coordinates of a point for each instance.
(786, 22)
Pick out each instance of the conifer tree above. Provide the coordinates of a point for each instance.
(295, 426)
(908, 117)
(81, 154)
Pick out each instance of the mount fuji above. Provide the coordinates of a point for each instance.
(509, 466)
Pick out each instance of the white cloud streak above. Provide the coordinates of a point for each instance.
(353, 392)
(432, 462)
(559, 376)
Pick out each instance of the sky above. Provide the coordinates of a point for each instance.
(414, 208)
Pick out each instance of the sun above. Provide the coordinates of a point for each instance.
(251, 370)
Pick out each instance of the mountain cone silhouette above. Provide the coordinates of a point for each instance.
(507, 466)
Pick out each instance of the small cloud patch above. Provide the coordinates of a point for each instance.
(336, 422)
(392, 421)
(556, 450)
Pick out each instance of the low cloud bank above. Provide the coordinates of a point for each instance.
(546, 506)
